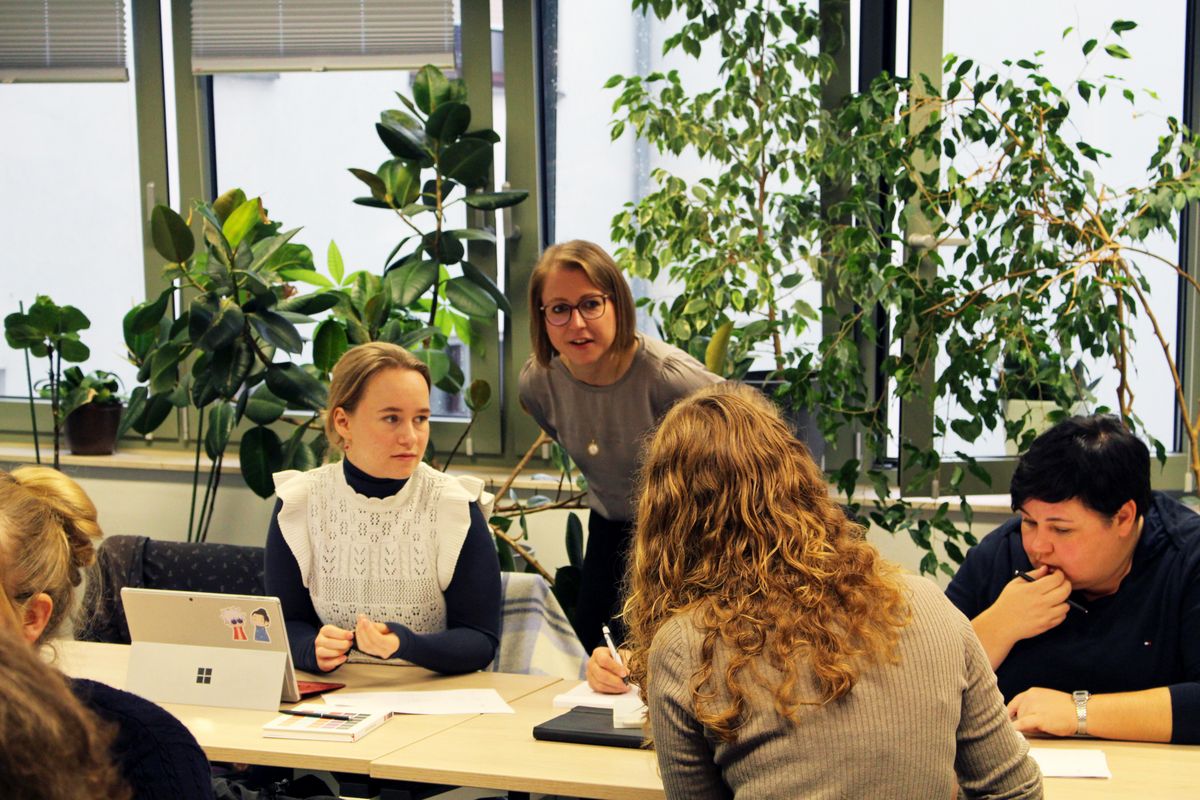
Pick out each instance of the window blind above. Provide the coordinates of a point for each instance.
(283, 35)
(62, 40)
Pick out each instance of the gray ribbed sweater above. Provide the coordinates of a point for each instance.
(904, 731)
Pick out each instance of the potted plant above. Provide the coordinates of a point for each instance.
(48, 331)
(91, 406)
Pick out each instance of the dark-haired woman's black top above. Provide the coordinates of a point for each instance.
(1145, 635)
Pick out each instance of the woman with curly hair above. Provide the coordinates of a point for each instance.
(779, 655)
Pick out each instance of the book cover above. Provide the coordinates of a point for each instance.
(586, 725)
(324, 723)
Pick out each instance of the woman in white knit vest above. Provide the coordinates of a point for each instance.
(379, 556)
(778, 654)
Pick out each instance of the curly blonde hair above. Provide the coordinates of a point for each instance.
(48, 537)
(735, 527)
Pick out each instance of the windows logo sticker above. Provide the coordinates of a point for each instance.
(204, 675)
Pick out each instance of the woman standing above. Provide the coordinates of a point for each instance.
(48, 531)
(598, 387)
(779, 655)
(380, 554)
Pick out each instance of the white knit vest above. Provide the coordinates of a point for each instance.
(390, 558)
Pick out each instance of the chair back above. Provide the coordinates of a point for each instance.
(154, 564)
(535, 636)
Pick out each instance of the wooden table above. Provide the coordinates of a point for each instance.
(497, 751)
(1141, 771)
(229, 734)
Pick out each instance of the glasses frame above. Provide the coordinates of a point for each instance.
(605, 298)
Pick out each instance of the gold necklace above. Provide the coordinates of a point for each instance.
(593, 448)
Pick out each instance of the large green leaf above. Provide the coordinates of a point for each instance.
(171, 236)
(261, 456)
(409, 282)
(468, 161)
(467, 296)
(296, 386)
(448, 121)
(478, 395)
(134, 409)
(278, 331)
(402, 181)
(483, 134)
(264, 407)
(444, 248)
(157, 409)
(490, 201)
(213, 326)
(403, 144)
(337, 267)
(243, 220)
(371, 202)
(264, 250)
(73, 350)
(476, 276)
(203, 391)
(438, 362)
(329, 344)
(230, 367)
(164, 368)
(430, 88)
(373, 182)
(411, 338)
(310, 303)
(226, 204)
(220, 427)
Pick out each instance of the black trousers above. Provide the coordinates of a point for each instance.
(600, 588)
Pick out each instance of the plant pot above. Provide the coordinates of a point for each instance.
(91, 429)
(1037, 412)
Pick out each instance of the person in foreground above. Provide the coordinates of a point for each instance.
(779, 655)
(48, 527)
(598, 387)
(381, 556)
(1103, 638)
(43, 727)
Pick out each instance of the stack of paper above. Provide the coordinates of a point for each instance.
(452, 701)
(1070, 763)
(582, 695)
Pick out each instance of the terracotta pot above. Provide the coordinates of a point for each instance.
(91, 429)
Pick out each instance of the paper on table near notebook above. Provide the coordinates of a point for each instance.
(449, 701)
(1071, 763)
(582, 695)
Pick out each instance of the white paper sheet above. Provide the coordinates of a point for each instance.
(582, 695)
(1071, 763)
(451, 701)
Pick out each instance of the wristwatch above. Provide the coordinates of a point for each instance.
(1081, 698)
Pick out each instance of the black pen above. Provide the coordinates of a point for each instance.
(1018, 573)
(317, 714)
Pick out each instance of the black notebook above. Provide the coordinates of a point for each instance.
(587, 725)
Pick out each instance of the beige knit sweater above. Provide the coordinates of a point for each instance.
(905, 731)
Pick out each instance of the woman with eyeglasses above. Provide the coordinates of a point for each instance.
(597, 386)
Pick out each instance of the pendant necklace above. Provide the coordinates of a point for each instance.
(593, 448)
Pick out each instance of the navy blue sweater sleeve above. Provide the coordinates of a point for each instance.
(472, 611)
(156, 754)
(1185, 695)
(282, 577)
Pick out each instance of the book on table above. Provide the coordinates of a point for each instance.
(324, 723)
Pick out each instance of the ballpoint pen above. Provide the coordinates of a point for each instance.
(318, 714)
(1070, 602)
(612, 648)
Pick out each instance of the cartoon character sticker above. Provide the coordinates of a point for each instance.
(261, 621)
(235, 618)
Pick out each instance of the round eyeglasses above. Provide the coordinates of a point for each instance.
(559, 313)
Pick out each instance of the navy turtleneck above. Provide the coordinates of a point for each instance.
(472, 597)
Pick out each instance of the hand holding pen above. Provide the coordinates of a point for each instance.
(606, 671)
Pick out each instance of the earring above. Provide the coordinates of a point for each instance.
(346, 445)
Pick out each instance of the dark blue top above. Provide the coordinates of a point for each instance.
(157, 755)
(1145, 635)
(472, 597)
